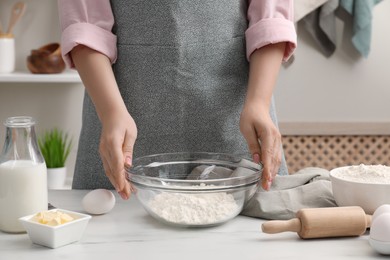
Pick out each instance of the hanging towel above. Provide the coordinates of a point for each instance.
(304, 7)
(307, 188)
(301, 9)
(328, 19)
(321, 25)
(361, 11)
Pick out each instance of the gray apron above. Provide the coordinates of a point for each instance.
(182, 72)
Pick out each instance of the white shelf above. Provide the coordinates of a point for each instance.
(67, 76)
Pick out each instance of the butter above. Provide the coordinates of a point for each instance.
(52, 218)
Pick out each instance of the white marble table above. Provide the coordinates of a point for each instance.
(127, 232)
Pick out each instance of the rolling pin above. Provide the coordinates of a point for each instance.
(323, 222)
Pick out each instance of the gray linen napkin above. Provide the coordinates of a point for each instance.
(321, 25)
(307, 188)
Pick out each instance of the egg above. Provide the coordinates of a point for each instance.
(380, 228)
(99, 201)
(385, 208)
(380, 233)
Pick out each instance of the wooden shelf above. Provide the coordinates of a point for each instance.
(67, 76)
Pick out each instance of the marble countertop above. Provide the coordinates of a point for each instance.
(128, 232)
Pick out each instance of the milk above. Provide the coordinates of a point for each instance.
(23, 191)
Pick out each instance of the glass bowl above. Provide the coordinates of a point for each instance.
(194, 189)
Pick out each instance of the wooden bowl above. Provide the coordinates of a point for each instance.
(46, 60)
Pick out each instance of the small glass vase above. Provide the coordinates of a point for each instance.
(23, 175)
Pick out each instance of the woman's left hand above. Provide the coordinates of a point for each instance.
(263, 138)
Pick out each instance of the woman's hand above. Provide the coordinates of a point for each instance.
(262, 136)
(118, 127)
(116, 149)
(264, 140)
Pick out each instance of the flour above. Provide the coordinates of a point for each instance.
(194, 209)
(366, 174)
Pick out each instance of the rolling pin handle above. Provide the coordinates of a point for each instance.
(368, 221)
(278, 226)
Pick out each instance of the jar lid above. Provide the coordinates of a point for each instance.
(19, 121)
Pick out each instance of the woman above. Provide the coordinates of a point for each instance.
(171, 75)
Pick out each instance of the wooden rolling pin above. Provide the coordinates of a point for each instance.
(323, 222)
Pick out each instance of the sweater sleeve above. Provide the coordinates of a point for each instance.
(87, 22)
(270, 22)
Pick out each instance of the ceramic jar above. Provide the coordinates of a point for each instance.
(7, 53)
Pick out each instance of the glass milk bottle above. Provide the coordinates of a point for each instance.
(23, 183)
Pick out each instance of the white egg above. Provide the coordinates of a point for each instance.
(99, 201)
(380, 234)
(385, 208)
(380, 228)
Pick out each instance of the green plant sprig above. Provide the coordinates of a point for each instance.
(55, 147)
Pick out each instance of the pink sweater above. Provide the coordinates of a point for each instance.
(89, 22)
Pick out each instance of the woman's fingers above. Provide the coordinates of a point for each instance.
(264, 143)
(107, 170)
(116, 150)
(252, 138)
(128, 147)
(113, 163)
(127, 160)
(270, 156)
(253, 144)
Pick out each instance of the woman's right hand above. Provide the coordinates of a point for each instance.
(118, 127)
(116, 149)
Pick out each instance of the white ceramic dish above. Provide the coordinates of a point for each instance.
(367, 195)
(56, 236)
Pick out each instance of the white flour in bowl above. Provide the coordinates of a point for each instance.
(365, 174)
(194, 209)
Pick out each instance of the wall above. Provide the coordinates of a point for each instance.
(51, 104)
(342, 88)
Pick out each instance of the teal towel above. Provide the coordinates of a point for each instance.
(361, 11)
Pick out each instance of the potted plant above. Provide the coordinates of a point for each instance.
(55, 147)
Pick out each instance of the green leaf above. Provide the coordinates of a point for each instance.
(55, 147)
